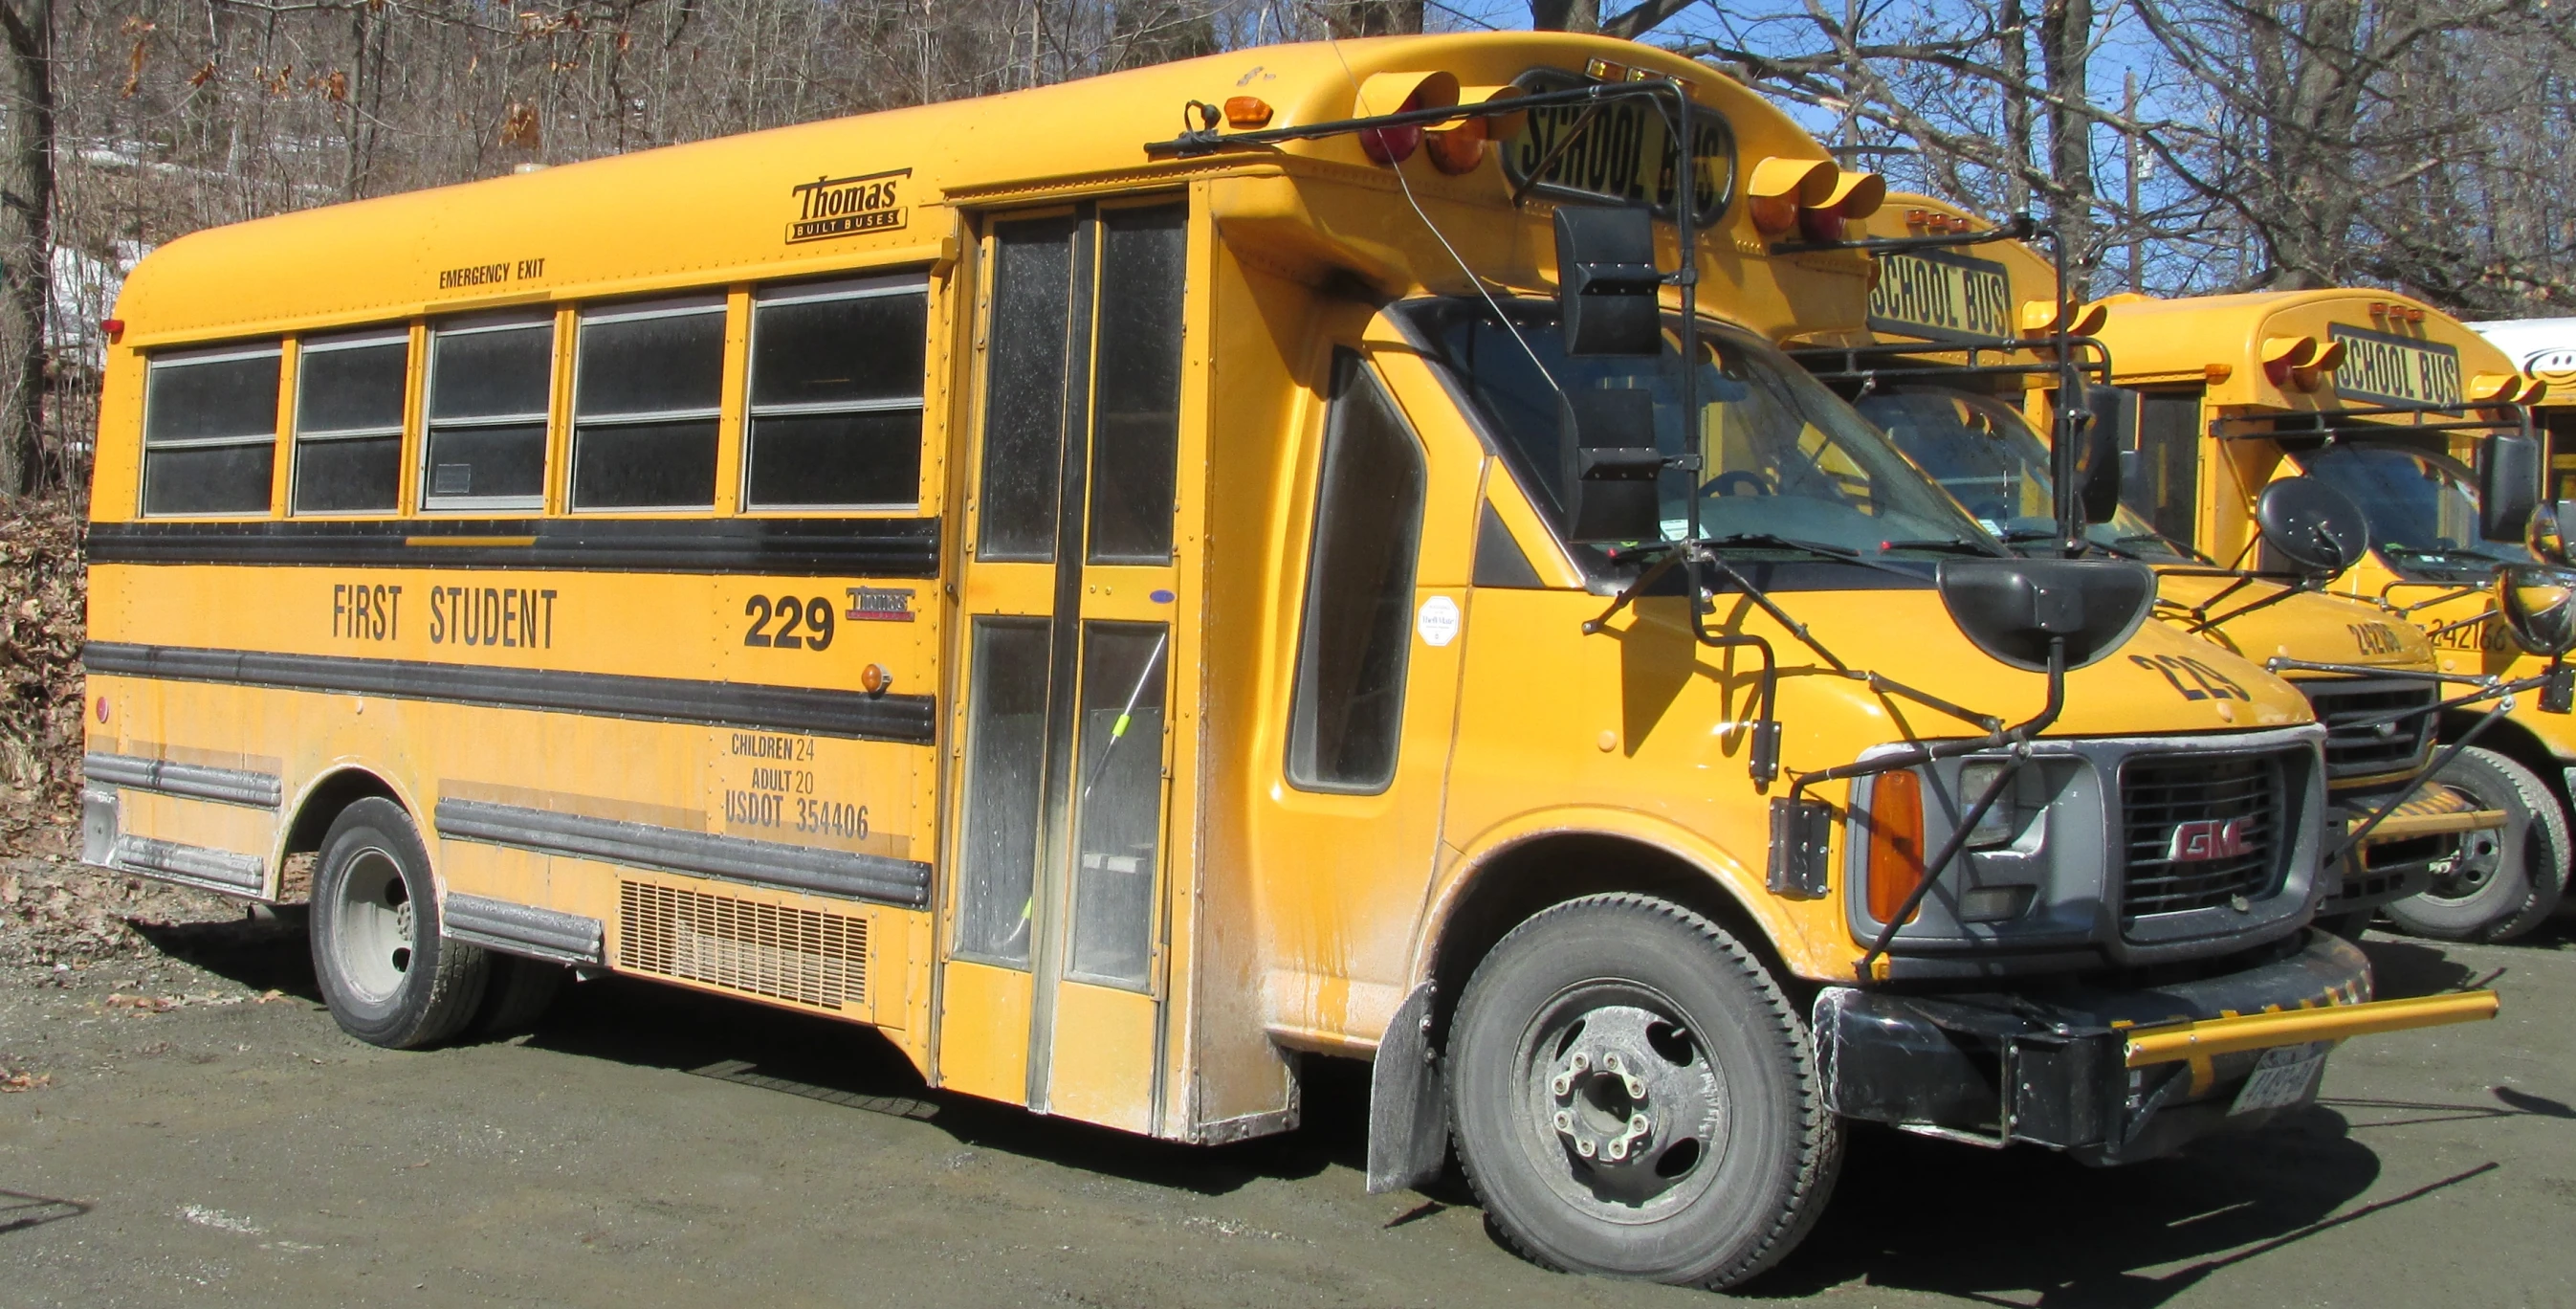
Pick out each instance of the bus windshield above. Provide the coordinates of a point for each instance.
(1986, 456)
(2423, 508)
(1782, 458)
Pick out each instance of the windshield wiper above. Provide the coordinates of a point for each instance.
(1948, 544)
(1784, 543)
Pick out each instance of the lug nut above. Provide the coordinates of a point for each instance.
(1583, 1146)
(1636, 1089)
(1579, 1062)
(1618, 1151)
(1611, 1062)
(1564, 1082)
(1564, 1121)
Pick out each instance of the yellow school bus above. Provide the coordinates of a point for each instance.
(1959, 366)
(1131, 586)
(2545, 350)
(2390, 401)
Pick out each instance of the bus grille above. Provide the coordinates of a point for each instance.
(802, 956)
(2356, 748)
(2201, 830)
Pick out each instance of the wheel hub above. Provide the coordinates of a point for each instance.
(1632, 1101)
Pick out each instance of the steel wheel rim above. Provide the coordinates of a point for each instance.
(374, 926)
(1622, 1111)
(2481, 857)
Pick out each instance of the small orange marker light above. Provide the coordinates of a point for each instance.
(874, 679)
(1247, 111)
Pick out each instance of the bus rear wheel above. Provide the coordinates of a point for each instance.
(388, 976)
(2506, 881)
(1635, 1097)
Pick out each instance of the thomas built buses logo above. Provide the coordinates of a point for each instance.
(846, 206)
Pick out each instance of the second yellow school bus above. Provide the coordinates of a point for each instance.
(1091, 584)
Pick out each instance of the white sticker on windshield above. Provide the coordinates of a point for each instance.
(1438, 620)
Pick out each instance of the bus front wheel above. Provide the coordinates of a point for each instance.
(1633, 1096)
(388, 975)
(2503, 882)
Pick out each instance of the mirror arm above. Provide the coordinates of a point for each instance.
(1763, 758)
(1628, 595)
(1768, 606)
(2283, 663)
(2203, 623)
(1958, 838)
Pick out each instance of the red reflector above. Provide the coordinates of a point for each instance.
(1393, 145)
(115, 329)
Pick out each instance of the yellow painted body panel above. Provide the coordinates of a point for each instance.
(1281, 918)
(2193, 341)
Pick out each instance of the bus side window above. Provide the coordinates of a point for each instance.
(646, 388)
(1347, 712)
(1136, 442)
(489, 384)
(349, 422)
(210, 431)
(2166, 491)
(836, 385)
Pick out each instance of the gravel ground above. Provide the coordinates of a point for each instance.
(180, 1122)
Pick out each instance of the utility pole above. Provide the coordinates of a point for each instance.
(2137, 229)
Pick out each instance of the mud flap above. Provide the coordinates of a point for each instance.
(1408, 1139)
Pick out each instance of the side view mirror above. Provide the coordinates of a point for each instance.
(1611, 292)
(2317, 528)
(2547, 534)
(2011, 608)
(2101, 448)
(1610, 465)
(2539, 607)
(2508, 486)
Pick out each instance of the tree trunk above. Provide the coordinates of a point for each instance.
(2012, 34)
(2065, 30)
(26, 239)
(1565, 15)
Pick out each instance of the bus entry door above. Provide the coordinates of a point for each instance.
(1053, 986)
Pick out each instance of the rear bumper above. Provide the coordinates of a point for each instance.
(2108, 1076)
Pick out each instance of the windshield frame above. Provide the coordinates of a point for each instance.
(2016, 432)
(1424, 319)
(2420, 565)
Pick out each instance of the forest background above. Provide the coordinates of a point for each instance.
(2174, 146)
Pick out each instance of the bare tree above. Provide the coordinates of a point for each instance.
(26, 239)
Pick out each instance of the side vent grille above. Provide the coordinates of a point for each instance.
(802, 956)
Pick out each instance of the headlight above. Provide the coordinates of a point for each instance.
(2002, 818)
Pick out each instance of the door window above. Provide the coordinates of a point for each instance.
(1347, 713)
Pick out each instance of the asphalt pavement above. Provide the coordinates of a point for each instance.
(190, 1128)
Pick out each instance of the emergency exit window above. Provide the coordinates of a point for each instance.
(490, 383)
(647, 385)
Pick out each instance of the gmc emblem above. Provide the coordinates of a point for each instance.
(2204, 839)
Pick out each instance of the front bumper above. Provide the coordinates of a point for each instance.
(2108, 1076)
(2401, 854)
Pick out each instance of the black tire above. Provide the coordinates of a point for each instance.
(519, 994)
(2506, 881)
(390, 978)
(1709, 1197)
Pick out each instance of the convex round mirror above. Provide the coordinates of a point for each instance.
(2316, 528)
(2546, 534)
(2013, 608)
(2539, 606)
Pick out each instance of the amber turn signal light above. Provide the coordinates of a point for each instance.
(874, 679)
(1895, 843)
(1244, 112)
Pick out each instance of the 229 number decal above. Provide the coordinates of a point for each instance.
(2207, 683)
(788, 612)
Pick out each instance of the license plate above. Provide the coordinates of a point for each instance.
(2285, 1075)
